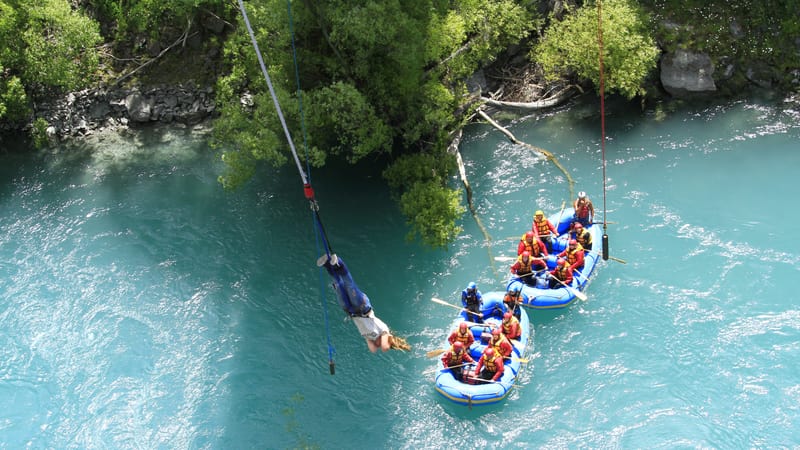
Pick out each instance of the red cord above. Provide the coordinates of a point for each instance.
(602, 103)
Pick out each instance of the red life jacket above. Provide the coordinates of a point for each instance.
(543, 227)
(583, 209)
(572, 254)
(490, 364)
(506, 327)
(463, 338)
(455, 358)
(523, 266)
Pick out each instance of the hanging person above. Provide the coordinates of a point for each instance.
(357, 305)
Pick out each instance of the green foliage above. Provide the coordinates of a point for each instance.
(629, 51)
(377, 77)
(431, 211)
(59, 46)
(39, 133)
(430, 207)
(45, 45)
(13, 100)
(10, 24)
(347, 122)
(741, 32)
(155, 16)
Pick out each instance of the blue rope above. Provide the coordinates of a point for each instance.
(319, 231)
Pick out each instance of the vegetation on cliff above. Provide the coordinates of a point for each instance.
(377, 81)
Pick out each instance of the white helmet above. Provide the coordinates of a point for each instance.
(581, 194)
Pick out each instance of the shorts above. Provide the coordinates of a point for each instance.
(371, 327)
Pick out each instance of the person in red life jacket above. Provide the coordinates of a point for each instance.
(525, 268)
(584, 210)
(544, 229)
(490, 365)
(455, 359)
(500, 344)
(513, 298)
(529, 243)
(510, 326)
(574, 255)
(582, 235)
(357, 305)
(562, 273)
(472, 300)
(463, 334)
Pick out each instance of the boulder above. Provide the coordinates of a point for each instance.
(139, 107)
(684, 73)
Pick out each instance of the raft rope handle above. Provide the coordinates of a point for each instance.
(308, 191)
(602, 122)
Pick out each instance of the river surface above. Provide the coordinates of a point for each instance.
(143, 307)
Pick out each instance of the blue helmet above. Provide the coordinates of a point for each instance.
(515, 288)
(472, 286)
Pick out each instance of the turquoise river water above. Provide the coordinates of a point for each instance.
(141, 307)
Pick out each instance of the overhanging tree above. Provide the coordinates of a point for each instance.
(378, 77)
(630, 52)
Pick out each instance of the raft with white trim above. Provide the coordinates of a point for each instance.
(540, 296)
(484, 394)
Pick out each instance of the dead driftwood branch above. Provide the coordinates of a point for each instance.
(539, 150)
(538, 104)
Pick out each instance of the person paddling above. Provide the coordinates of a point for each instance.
(472, 300)
(456, 358)
(490, 366)
(463, 334)
(544, 229)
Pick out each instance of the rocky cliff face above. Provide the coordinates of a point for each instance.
(85, 112)
(684, 73)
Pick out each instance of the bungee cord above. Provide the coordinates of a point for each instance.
(308, 191)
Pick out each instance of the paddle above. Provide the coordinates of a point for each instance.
(436, 352)
(442, 302)
(476, 324)
(518, 276)
(429, 371)
(572, 290)
(522, 360)
(486, 381)
(505, 258)
(612, 258)
(563, 203)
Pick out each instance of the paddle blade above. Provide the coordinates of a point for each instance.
(434, 353)
(505, 258)
(578, 293)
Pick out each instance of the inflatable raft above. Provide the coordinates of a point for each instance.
(540, 296)
(483, 394)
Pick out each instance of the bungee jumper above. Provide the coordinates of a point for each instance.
(356, 303)
(351, 299)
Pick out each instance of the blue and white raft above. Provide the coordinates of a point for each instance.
(484, 394)
(540, 296)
